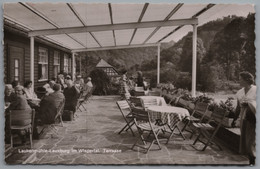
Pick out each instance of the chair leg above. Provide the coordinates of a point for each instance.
(197, 139)
(11, 140)
(61, 122)
(181, 133)
(30, 131)
(184, 127)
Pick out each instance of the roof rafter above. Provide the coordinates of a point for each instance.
(81, 20)
(112, 22)
(35, 11)
(115, 47)
(167, 18)
(139, 20)
(121, 26)
(194, 16)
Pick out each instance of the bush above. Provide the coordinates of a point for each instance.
(101, 80)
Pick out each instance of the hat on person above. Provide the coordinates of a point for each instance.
(79, 76)
(68, 77)
(56, 87)
(89, 78)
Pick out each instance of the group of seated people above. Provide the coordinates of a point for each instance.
(48, 100)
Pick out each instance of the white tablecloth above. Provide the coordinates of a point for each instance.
(167, 114)
(160, 100)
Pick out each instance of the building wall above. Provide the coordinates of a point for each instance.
(19, 40)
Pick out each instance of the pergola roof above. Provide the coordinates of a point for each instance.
(95, 26)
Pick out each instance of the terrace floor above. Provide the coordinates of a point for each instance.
(92, 138)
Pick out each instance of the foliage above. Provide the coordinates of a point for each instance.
(204, 99)
(227, 105)
(101, 81)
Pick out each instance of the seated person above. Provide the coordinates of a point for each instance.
(28, 91)
(71, 94)
(49, 105)
(79, 82)
(9, 93)
(48, 88)
(19, 103)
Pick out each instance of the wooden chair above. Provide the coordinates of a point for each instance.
(197, 115)
(146, 102)
(135, 101)
(145, 125)
(57, 120)
(208, 130)
(22, 120)
(127, 115)
(154, 93)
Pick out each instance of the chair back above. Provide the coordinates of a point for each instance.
(200, 111)
(149, 102)
(135, 101)
(140, 115)
(218, 115)
(124, 107)
(183, 103)
(154, 93)
(22, 117)
(139, 93)
(60, 109)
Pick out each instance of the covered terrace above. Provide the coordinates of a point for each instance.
(82, 27)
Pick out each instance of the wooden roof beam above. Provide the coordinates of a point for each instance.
(121, 26)
(114, 47)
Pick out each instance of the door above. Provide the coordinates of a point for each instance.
(16, 64)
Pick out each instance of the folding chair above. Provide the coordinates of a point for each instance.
(154, 93)
(146, 102)
(81, 100)
(22, 120)
(144, 125)
(208, 130)
(57, 119)
(197, 115)
(126, 113)
(135, 101)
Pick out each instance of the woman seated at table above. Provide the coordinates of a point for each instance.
(71, 94)
(28, 91)
(9, 93)
(30, 95)
(19, 103)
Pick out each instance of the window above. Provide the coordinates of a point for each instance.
(66, 63)
(43, 64)
(56, 63)
(16, 69)
(69, 69)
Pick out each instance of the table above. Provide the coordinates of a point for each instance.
(160, 100)
(169, 115)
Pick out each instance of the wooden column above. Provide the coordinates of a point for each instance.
(194, 61)
(32, 61)
(158, 64)
(73, 67)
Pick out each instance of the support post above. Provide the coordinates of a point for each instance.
(73, 66)
(80, 64)
(194, 61)
(158, 63)
(32, 61)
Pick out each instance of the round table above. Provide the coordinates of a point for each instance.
(167, 114)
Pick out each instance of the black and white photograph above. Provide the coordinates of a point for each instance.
(129, 83)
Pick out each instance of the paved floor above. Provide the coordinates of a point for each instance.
(93, 139)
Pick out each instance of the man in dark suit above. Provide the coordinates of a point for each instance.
(50, 104)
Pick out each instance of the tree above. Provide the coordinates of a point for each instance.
(101, 81)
